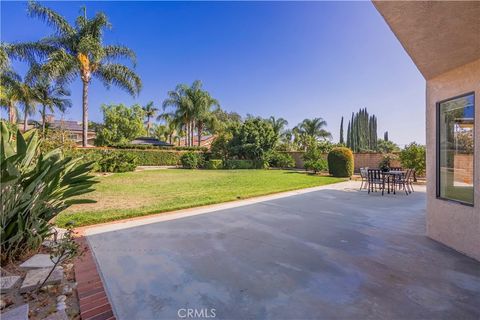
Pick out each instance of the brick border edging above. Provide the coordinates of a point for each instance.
(93, 300)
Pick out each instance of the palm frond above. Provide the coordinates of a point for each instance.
(119, 51)
(55, 20)
(120, 76)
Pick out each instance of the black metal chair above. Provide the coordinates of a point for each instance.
(375, 179)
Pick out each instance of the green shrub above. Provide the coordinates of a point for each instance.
(152, 147)
(147, 157)
(214, 164)
(340, 162)
(314, 152)
(117, 162)
(243, 164)
(191, 160)
(35, 188)
(277, 159)
(316, 165)
(413, 157)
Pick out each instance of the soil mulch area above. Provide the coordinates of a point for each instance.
(44, 302)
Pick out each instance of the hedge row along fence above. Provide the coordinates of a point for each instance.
(146, 157)
(151, 147)
(360, 160)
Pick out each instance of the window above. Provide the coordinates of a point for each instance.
(455, 148)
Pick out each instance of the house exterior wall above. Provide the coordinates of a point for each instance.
(453, 224)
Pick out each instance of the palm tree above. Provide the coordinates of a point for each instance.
(50, 95)
(182, 114)
(314, 128)
(10, 92)
(171, 127)
(28, 98)
(10, 84)
(150, 112)
(78, 51)
(278, 125)
(202, 109)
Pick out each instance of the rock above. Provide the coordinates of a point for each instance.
(37, 261)
(48, 243)
(8, 283)
(61, 298)
(61, 306)
(67, 290)
(35, 277)
(19, 313)
(3, 304)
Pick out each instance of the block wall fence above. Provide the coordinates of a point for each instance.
(361, 160)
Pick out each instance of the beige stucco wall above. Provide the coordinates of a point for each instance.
(456, 225)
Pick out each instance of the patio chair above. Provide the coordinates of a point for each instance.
(364, 175)
(405, 181)
(375, 179)
(412, 179)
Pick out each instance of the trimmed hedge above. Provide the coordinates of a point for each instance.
(214, 164)
(192, 160)
(340, 162)
(152, 147)
(243, 164)
(144, 157)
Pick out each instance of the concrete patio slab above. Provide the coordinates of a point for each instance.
(331, 253)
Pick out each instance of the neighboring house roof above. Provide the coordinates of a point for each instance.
(69, 125)
(150, 141)
(205, 141)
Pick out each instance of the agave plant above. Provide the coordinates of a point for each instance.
(35, 188)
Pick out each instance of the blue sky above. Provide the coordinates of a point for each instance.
(293, 60)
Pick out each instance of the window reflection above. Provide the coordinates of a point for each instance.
(456, 149)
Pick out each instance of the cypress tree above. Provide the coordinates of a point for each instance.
(348, 136)
(341, 131)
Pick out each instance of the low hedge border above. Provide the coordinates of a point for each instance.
(148, 157)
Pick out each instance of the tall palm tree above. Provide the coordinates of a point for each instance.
(51, 96)
(10, 84)
(171, 127)
(10, 92)
(28, 98)
(78, 51)
(182, 114)
(150, 112)
(202, 104)
(314, 128)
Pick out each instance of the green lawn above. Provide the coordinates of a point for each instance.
(125, 195)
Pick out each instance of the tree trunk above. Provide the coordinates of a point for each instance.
(43, 118)
(148, 126)
(25, 119)
(12, 114)
(192, 132)
(187, 133)
(199, 133)
(85, 114)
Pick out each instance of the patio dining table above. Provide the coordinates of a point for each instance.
(392, 176)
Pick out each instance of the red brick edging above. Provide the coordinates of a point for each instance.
(94, 304)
